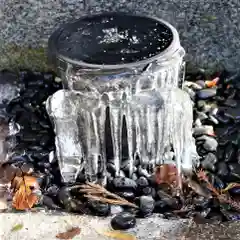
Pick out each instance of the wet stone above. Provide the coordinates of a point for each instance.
(134, 177)
(234, 171)
(123, 221)
(206, 93)
(201, 202)
(143, 172)
(169, 200)
(123, 183)
(149, 191)
(222, 170)
(128, 194)
(53, 190)
(146, 206)
(210, 144)
(142, 182)
(115, 209)
(229, 153)
(209, 162)
(99, 209)
(161, 207)
(230, 103)
(49, 203)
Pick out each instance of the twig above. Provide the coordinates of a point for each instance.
(98, 193)
(221, 197)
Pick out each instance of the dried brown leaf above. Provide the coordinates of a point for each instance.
(69, 234)
(23, 197)
(166, 173)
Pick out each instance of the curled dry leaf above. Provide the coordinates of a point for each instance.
(212, 83)
(24, 198)
(69, 234)
(118, 235)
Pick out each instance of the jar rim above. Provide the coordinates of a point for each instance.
(160, 57)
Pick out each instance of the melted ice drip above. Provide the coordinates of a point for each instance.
(158, 121)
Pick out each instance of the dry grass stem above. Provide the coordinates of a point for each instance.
(98, 193)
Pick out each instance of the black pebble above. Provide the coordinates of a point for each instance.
(146, 205)
(123, 221)
(222, 170)
(209, 162)
(229, 154)
(230, 103)
(149, 191)
(127, 193)
(142, 182)
(49, 203)
(99, 209)
(206, 93)
(123, 183)
(234, 171)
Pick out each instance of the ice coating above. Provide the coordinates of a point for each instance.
(158, 121)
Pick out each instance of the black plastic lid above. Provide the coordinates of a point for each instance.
(110, 39)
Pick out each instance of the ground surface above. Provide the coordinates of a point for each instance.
(209, 29)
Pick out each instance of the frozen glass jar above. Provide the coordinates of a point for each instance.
(109, 64)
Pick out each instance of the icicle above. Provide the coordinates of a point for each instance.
(116, 131)
(130, 132)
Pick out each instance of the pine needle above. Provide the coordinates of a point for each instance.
(96, 192)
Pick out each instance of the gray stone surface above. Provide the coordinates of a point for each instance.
(209, 29)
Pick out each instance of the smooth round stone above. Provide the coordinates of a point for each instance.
(49, 203)
(123, 221)
(230, 103)
(128, 194)
(44, 140)
(146, 205)
(99, 209)
(238, 156)
(201, 202)
(143, 172)
(222, 169)
(200, 104)
(123, 183)
(235, 190)
(27, 168)
(53, 190)
(169, 200)
(210, 144)
(222, 119)
(149, 191)
(234, 170)
(134, 177)
(111, 168)
(115, 209)
(206, 93)
(142, 182)
(161, 207)
(209, 162)
(229, 154)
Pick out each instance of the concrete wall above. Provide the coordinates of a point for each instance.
(209, 29)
